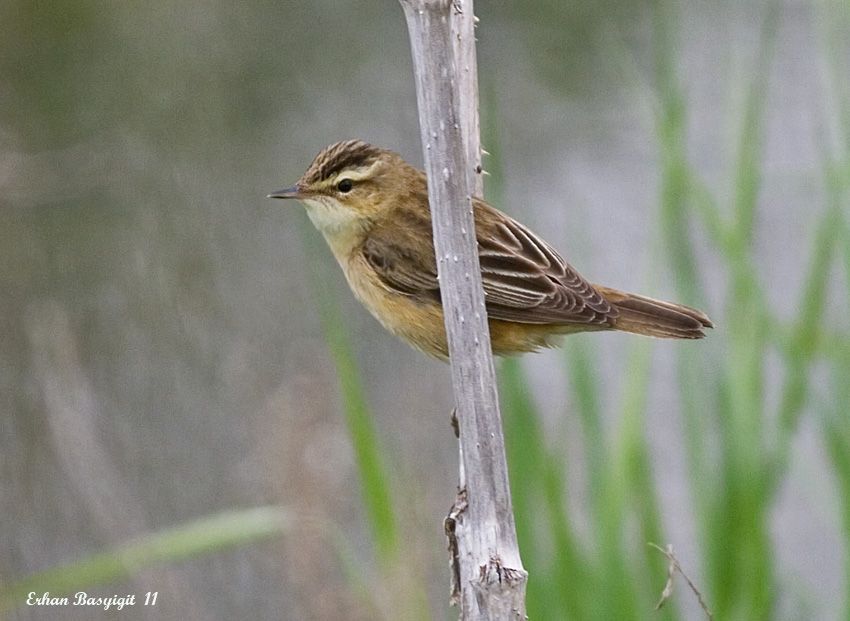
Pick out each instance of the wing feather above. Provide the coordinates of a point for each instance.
(524, 279)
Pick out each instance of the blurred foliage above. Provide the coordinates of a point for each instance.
(124, 165)
(209, 535)
(614, 576)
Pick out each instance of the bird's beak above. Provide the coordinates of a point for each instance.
(293, 192)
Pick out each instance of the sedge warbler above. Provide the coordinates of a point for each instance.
(372, 208)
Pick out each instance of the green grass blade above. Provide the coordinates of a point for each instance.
(557, 583)
(650, 571)
(209, 535)
(837, 439)
(400, 582)
(675, 175)
(572, 573)
(374, 477)
(523, 443)
(734, 524)
(804, 339)
(743, 568)
(676, 183)
(679, 189)
(836, 428)
(584, 382)
(837, 431)
(748, 165)
(558, 572)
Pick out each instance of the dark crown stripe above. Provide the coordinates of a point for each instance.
(340, 156)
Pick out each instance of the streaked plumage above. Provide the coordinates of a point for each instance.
(380, 232)
(338, 157)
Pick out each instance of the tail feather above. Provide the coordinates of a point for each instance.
(643, 315)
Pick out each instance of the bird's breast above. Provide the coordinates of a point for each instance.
(418, 322)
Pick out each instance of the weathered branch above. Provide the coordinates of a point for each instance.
(481, 527)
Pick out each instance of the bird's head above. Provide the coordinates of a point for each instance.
(350, 184)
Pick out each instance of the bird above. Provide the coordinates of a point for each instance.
(372, 208)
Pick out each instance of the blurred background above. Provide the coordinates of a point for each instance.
(189, 392)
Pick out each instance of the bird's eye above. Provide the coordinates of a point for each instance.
(345, 185)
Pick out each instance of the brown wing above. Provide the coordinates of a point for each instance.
(400, 270)
(403, 257)
(524, 279)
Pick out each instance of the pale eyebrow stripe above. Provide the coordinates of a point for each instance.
(355, 174)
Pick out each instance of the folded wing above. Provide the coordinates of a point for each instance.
(524, 279)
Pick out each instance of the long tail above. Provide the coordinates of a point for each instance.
(642, 315)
